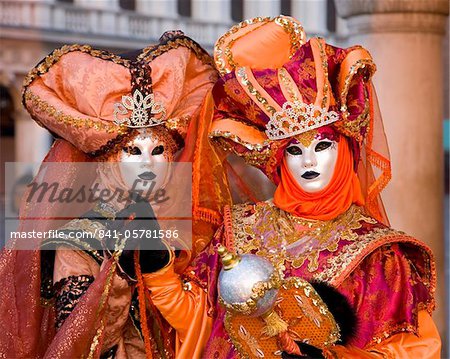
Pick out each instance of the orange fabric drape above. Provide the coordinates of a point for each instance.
(185, 310)
(343, 190)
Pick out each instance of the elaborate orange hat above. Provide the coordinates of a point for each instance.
(95, 99)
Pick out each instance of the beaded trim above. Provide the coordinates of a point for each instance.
(43, 66)
(174, 42)
(360, 64)
(141, 79)
(222, 49)
(59, 116)
(242, 73)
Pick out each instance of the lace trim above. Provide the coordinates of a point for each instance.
(69, 292)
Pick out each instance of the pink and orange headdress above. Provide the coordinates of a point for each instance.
(276, 86)
(95, 99)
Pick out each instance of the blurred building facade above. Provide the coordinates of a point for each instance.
(409, 40)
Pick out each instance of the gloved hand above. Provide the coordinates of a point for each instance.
(135, 223)
(343, 314)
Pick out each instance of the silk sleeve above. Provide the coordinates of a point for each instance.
(425, 345)
(184, 306)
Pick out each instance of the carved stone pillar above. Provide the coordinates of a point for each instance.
(405, 39)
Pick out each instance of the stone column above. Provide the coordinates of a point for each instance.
(406, 40)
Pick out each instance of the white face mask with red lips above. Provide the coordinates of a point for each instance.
(312, 166)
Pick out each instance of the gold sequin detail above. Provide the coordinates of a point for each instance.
(54, 57)
(37, 104)
(288, 84)
(221, 52)
(151, 52)
(360, 64)
(307, 137)
(326, 85)
(237, 139)
(241, 74)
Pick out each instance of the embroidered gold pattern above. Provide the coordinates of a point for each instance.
(306, 138)
(241, 74)
(336, 265)
(316, 315)
(151, 52)
(279, 236)
(251, 341)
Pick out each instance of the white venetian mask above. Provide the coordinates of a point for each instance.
(312, 166)
(145, 163)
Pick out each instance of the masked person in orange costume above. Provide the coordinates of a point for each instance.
(130, 117)
(305, 113)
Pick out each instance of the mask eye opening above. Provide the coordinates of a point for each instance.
(158, 150)
(322, 145)
(294, 150)
(132, 150)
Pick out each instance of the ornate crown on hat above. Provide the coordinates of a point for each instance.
(298, 117)
(141, 107)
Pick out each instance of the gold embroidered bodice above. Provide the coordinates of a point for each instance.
(279, 236)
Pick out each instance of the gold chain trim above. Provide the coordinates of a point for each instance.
(241, 74)
(324, 61)
(151, 52)
(360, 64)
(223, 56)
(38, 104)
(54, 57)
(237, 139)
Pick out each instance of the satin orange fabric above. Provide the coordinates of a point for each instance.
(426, 345)
(184, 308)
(343, 190)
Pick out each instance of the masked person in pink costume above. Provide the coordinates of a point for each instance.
(132, 118)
